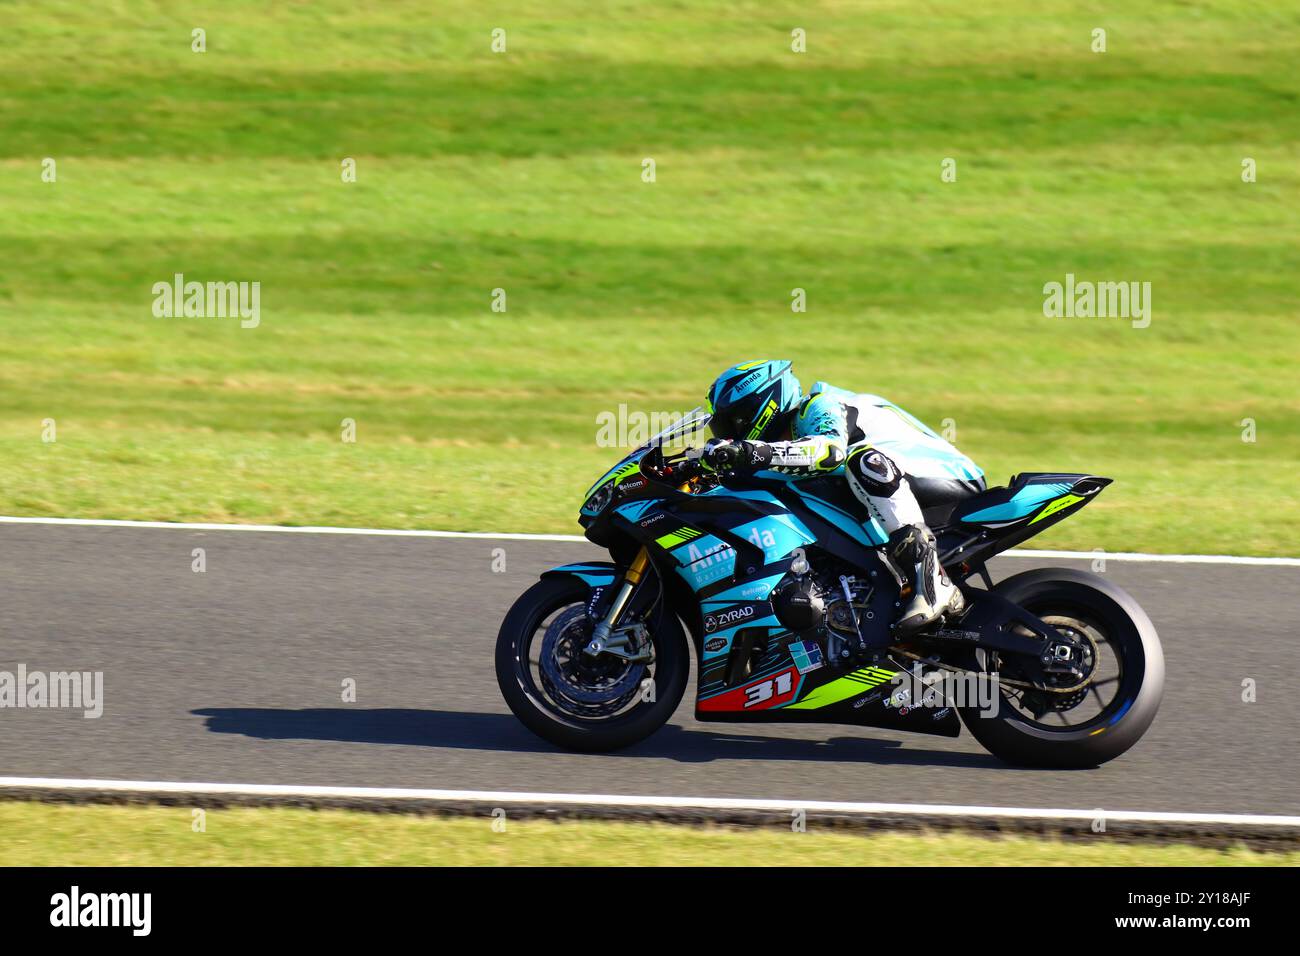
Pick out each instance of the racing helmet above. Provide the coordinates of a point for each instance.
(754, 400)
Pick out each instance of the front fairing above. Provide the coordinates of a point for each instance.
(628, 469)
(599, 494)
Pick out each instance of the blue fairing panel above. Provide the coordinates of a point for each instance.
(868, 532)
(863, 528)
(777, 535)
(635, 510)
(1024, 502)
(705, 560)
(594, 573)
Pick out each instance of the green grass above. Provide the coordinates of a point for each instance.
(523, 171)
(44, 835)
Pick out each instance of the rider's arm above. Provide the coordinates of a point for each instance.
(820, 446)
(821, 442)
(814, 455)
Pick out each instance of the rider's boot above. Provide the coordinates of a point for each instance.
(878, 482)
(914, 552)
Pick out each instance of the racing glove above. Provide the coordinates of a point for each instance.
(725, 456)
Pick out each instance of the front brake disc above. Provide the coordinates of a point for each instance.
(605, 680)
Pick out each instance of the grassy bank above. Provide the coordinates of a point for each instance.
(46, 835)
(522, 171)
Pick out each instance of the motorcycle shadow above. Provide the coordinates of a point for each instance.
(504, 734)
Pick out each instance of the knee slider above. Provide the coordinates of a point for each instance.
(875, 471)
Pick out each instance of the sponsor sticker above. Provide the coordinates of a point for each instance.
(807, 656)
(863, 701)
(763, 694)
(721, 619)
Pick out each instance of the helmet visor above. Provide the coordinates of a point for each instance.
(737, 420)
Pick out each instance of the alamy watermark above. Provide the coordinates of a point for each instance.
(208, 300)
(1086, 300)
(74, 690)
(75, 908)
(630, 429)
(940, 690)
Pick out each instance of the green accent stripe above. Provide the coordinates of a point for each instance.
(1056, 506)
(843, 688)
(763, 419)
(673, 538)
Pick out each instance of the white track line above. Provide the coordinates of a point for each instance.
(500, 797)
(1157, 558)
(512, 536)
(291, 529)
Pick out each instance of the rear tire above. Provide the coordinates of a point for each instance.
(527, 701)
(1015, 738)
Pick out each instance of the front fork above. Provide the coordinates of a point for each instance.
(604, 638)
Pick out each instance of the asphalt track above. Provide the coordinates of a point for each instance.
(235, 674)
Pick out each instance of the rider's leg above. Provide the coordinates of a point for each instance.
(881, 485)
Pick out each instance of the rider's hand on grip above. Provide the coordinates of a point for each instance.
(724, 456)
(721, 455)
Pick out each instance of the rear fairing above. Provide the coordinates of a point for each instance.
(992, 521)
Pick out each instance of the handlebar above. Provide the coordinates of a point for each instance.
(684, 470)
(675, 471)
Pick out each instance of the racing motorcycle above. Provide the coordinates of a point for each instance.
(785, 594)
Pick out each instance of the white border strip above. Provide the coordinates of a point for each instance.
(1158, 558)
(499, 797)
(513, 536)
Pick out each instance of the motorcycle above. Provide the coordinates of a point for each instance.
(788, 599)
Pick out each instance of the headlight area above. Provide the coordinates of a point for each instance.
(599, 499)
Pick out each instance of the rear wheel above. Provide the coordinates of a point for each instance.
(1124, 676)
(572, 699)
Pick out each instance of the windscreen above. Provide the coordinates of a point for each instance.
(688, 430)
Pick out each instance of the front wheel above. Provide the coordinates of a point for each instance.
(1125, 682)
(571, 699)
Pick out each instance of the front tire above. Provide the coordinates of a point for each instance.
(526, 694)
(1062, 594)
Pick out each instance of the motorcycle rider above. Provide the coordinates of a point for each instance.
(762, 421)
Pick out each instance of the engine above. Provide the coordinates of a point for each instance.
(827, 604)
